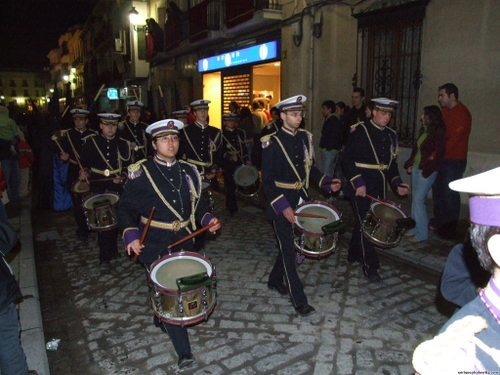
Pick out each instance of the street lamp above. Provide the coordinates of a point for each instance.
(134, 18)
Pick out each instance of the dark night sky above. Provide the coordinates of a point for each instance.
(29, 29)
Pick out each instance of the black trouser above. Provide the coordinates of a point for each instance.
(360, 247)
(107, 244)
(230, 184)
(284, 266)
(79, 214)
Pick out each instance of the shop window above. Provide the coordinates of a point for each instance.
(389, 63)
(236, 88)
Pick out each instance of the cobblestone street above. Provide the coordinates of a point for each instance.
(104, 319)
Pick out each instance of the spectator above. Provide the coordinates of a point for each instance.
(234, 108)
(357, 112)
(26, 160)
(9, 153)
(369, 110)
(12, 357)
(330, 142)
(424, 162)
(458, 122)
(470, 341)
(3, 187)
(259, 120)
(247, 126)
(275, 124)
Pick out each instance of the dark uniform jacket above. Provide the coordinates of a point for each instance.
(72, 140)
(233, 144)
(153, 183)
(370, 159)
(201, 146)
(9, 289)
(104, 158)
(331, 134)
(135, 133)
(284, 184)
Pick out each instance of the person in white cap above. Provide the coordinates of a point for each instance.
(235, 154)
(182, 115)
(369, 162)
(134, 130)
(71, 142)
(470, 341)
(200, 142)
(173, 187)
(104, 157)
(289, 164)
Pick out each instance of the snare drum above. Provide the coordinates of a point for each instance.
(380, 224)
(184, 288)
(247, 180)
(310, 239)
(100, 211)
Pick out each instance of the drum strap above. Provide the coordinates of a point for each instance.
(372, 166)
(143, 149)
(299, 181)
(239, 152)
(157, 190)
(199, 161)
(106, 161)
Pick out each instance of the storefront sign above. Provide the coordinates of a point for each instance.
(255, 54)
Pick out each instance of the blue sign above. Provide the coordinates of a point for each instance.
(112, 94)
(259, 53)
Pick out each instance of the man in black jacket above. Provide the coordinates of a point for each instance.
(12, 358)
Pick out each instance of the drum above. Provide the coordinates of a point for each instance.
(184, 288)
(100, 211)
(380, 225)
(81, 188)
(247, 180)
(310, 238)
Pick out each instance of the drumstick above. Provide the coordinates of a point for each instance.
(193, 234)
(310, 215)
(99, 92)
(332, 182)
(54, 138)
(146, 227)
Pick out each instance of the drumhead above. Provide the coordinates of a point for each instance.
(166, 272)
(246, 175)
(205, 185)
(314, 225)
(112, 197)
(388, 214)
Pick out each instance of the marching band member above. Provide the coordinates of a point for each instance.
(173, 187)
(134, 131)
(288, 163)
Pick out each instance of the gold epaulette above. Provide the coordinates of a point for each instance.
(305, 131)
(135, 170)
(354, 126)
(266, 140)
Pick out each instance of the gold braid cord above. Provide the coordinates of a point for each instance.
(454, 350)
(148, 175)
(293, 167)
(104, 158)
(309, 155)
(194, 193)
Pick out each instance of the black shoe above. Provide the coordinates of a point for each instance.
(281, 289)
(371, 274)
(305, 310)
(185, 360)
(117, 255)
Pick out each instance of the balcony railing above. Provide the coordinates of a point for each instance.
(203, 18)
(173, 32)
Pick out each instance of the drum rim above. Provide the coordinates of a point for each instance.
(93, 195)
(246, 166)
(319, 203)
(170, 257)
(393, 205)
(78, 183)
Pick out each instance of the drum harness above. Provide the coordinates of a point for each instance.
(233, 149)
(137, 147)
(379, 166)
(110, 171)
(200, 162)
(299, 184)
(180, 223)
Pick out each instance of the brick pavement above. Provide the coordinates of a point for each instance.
(105, 323)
